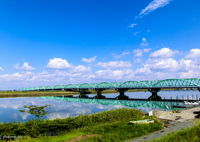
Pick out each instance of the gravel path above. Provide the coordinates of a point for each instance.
(172, 126)
(176, 121)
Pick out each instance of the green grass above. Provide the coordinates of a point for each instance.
(112, 125)
(188, 135)
(60, 138)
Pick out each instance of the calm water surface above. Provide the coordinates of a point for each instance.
(9, 107)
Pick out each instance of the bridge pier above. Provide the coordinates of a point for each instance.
(82, 93)
(154, 96)
(121, 94)
(99, 96)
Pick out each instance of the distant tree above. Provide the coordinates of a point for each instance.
(38, 111)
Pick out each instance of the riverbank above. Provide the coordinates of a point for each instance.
(56, 93)
(4, 94)
(112, 125)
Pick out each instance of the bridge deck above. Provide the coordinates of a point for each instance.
(167, 83)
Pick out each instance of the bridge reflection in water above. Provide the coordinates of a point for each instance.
(128, 103)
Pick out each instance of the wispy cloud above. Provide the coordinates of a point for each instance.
(115, 64)
(138, 60)
(132, 25)
(89, 60)
(144, 42)
(16, 66)
(137, 52)
(120, 56)
(1, 69)
(135, 33)
(147, 50)
(155, 4)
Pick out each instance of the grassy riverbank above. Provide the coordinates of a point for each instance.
(56, 93)
(112, 125)
(35, 93)
(59, 93)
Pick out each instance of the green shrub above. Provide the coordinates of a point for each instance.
(34, 128)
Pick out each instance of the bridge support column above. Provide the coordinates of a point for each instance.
(154, 96)
(99, 96)
(82, 93)
(121, 94)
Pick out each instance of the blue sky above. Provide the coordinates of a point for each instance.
(62, 42)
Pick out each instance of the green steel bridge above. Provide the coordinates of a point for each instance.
(153, 86)
(127, 103)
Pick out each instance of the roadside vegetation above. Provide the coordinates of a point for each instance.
(188, 135)
(112, 125)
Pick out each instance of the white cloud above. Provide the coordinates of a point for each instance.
(165, 64)
(16, 66)
(137, 52)
(197, 61)
(114, 74)
(58, 63)
(144, 39)
(26, 67)
(14, 77)
(132, 25)
(155, 4)
(160, 65)
(81, 68)
(1, 69)
(189, 74)
(163, 53)
(147, 50)
(89, 60)
(115, 64)
(144, 42)
(194, 53)
(166, 67)
(120, 56)
(143, 71)
(138, 60)
(185, 65)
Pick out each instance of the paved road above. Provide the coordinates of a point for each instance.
(176, 121)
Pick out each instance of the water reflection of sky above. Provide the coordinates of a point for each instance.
(166, 94)
(9, 107)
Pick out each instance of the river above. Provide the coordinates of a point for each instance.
(9, 107)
